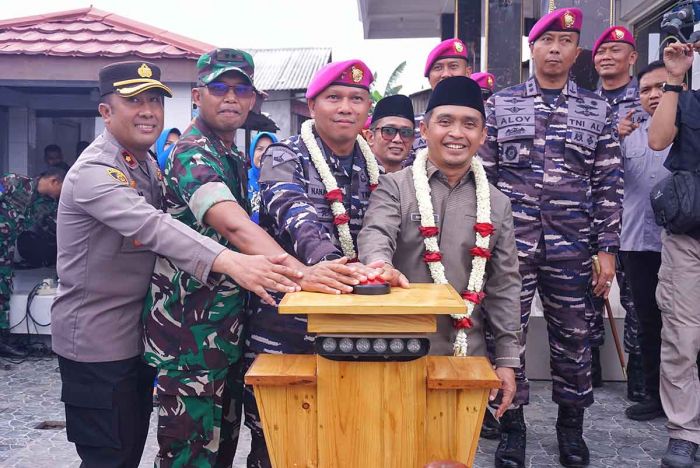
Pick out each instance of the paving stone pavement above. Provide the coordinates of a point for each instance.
(30, 394)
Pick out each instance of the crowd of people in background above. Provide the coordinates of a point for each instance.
(174, 248)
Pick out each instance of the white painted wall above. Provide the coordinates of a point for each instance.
(178, 109)
(18, 147)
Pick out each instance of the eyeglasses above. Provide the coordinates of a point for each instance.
(220, 89)
(389, 133)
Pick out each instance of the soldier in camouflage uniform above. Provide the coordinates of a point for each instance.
(552, 149)
(295, 211)
(613, 55)
(192, 330)
(24, 203)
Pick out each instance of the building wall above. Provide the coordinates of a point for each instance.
(178, 109)
(66, 132)
(28, 135)
(278, 106)
(4, 143)
(18, 148)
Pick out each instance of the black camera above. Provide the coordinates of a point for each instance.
(685, 14)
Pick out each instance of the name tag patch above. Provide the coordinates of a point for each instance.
(415, 217)
(515, 118)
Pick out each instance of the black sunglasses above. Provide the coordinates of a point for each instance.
(389, 133)
(220, 89)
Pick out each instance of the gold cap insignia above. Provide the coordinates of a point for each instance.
(458, 47)
(489, 80)
(569, 20)
(357, 74)
(144, 71)
(618, 34)
(117, 175)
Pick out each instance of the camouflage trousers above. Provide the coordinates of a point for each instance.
(271, 342)
(597, 305)
(8, 236)
(199, 417)
(562, 286)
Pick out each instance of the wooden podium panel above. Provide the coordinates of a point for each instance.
(458, 390)
(318, 412)
(285, 392)
(371, 413)
(420, 298)
(333, 323)
(322, 413)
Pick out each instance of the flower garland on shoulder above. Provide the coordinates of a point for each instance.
(334, 195)
(474, 293)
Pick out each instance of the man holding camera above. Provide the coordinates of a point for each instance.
(676, 121)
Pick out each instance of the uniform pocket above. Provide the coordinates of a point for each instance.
(186, 405)
(91, 418)
(664, 289)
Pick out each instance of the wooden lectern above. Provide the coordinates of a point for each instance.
(318, 412)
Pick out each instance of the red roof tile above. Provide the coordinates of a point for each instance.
(89, 32)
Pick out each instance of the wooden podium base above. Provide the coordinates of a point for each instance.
(318, 412)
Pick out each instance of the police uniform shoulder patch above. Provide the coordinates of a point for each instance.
(117, 175)
(130, 160)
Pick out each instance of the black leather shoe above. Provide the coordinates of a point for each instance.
(511, 450)
(490, 428)
(679, 454)
(596, 371)
(573, 451)
(635, 379)
(646, 410)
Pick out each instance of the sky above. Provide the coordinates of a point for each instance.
(263, 24)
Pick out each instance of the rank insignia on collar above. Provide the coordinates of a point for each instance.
(568, 20)
(159, 174)
(618, 34)
(129, 160)
(458, 46)
(145, 71)
(357, 74)
(117, 175)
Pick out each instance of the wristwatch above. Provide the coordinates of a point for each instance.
(670, 87)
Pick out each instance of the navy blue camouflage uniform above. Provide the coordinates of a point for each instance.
(621, 105)
(294, 211)
(560, 166)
